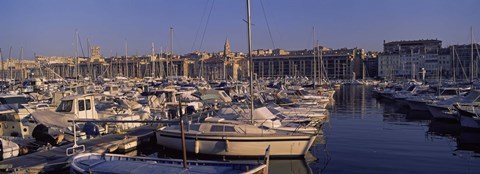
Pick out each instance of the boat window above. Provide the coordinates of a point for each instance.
(14, 100)
(449, 92)
(304, 92)
(285, 101)
(65, 106)
(411, 88)
(81, 105)
(224, 94)
(218, 128)
(87, 104)
(8, 117)
(194, 127)
(229, 129)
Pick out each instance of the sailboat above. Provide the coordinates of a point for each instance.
(238, 139)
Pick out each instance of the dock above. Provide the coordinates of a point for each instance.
(56, 158)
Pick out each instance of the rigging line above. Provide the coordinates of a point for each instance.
(461, 65)
(206, 25)
(268, 26)
(80, 43)
(200, 25)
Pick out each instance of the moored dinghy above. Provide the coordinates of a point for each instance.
(113, 163)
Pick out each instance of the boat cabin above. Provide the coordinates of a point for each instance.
(82, 106)
(15, 103)
(11, 125)
(111, 89)
(32, 85)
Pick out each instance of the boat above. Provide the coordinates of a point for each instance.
(469, 116)
(235, 139)
(419, 102)
(445, 110)
(113, 163)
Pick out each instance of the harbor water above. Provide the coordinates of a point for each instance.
(365, 135)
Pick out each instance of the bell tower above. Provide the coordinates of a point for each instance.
(226, 48)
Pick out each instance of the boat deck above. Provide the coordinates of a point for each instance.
(56, 159)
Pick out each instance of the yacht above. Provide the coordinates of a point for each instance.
(445, 110)
(235, 139)
(419, 102)
(469, 116)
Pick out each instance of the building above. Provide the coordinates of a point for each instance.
(225, 65)
(371, 64)
(336, 64)
(462, 56)
(405, 59)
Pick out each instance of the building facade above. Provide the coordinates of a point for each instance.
(335, 64)
(406, 59)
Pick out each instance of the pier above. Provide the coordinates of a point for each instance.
(56, 158)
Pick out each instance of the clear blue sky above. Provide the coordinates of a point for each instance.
(47, 27)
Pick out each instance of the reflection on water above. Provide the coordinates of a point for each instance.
(464, 139)
(366, 135)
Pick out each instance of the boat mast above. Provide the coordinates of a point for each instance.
(21, 64)
(76, 56)
(8, 63)
(3, 70)
(182, 130)
(322, 69)
(171, 54)
(314, 59)
(249, 31)
(454, 65)
(153, 60)
(126, 59)
(471, 55)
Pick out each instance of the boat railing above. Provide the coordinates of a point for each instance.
(81, 148)
(75, 148)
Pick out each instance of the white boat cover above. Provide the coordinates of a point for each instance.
(53, 119)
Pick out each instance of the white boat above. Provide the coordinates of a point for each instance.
(469, 116)
(226, 139)
(420, 102)
(87, 163)
(445, 110)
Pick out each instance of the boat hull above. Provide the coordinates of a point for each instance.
(469, 122)
(441, 113)
(416, 105)
(244, 146)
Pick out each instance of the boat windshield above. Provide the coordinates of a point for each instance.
(471, 97)
(65, 106)
(411, 88)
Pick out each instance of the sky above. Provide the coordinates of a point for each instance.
(48, 27)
